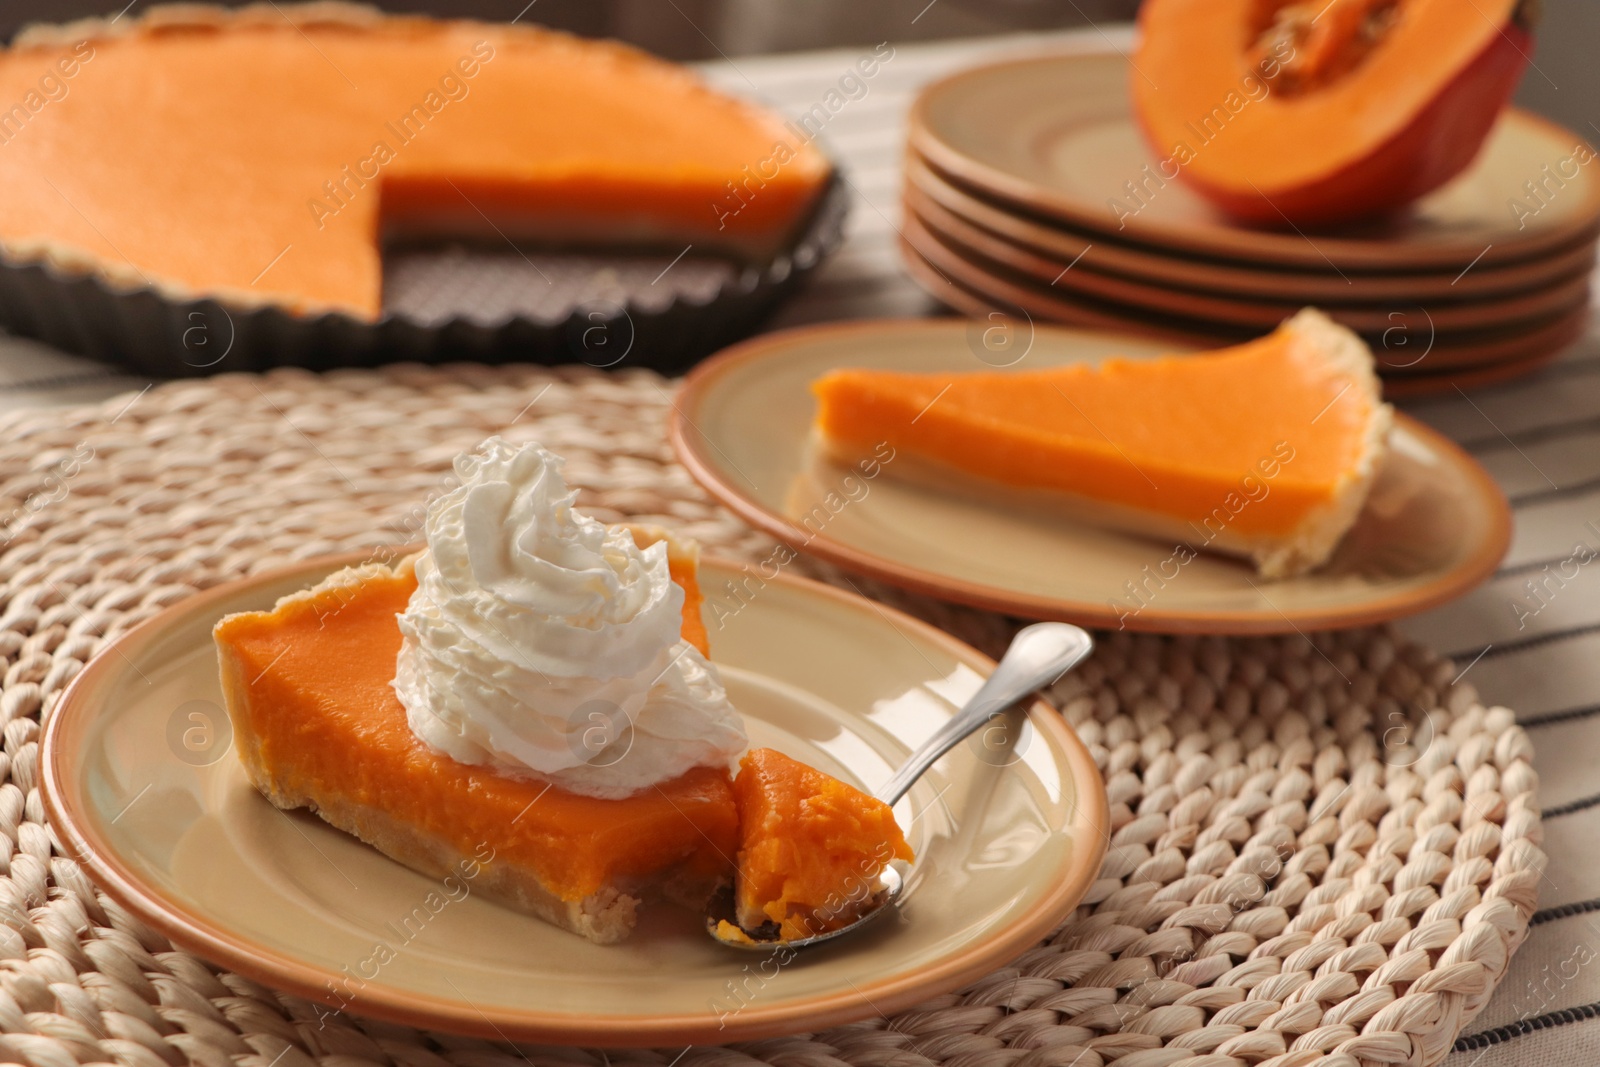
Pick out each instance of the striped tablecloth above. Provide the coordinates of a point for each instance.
(1529, 639)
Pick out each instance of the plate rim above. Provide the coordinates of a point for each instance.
(1508, 342)
(682, 430)
(65, 811)
(992, 253)
(1155, 266)
(1235, 243)
(1485, 374)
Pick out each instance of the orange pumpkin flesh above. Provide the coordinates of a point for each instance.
(1313, 112)
(811, 847)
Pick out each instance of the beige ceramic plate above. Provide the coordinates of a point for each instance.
(925, 219)
(1094, 252)
(1413, 347)
(140, 781)
(1056, 135)
(1405, 376)
(1477, 376)
(1435, 526)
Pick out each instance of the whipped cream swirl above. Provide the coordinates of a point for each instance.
(544, 643)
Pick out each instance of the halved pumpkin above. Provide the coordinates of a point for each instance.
(1321, 111)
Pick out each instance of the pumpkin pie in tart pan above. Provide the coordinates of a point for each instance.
(297, 142)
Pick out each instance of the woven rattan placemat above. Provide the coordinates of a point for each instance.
(1322, 850)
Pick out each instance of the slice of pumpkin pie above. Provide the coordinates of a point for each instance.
(1265, 449)
(531, 696)
(533, 687)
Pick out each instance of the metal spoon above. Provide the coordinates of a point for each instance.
(1038, 655)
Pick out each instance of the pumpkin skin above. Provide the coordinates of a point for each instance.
(1402, 120)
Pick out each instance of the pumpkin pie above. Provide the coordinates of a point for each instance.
(318, 725)
(260, 156)
(1265, 449)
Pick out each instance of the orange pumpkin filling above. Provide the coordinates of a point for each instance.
(1265, 448)
(325, 724)
(260, 155)
(811, 847)
(1320, 111)
(318, 725)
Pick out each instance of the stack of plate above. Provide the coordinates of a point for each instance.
(1030, 191)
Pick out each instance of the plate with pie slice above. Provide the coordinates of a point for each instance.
(144, 782)
(1067, 474)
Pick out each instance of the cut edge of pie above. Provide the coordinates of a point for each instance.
(605, 915)
(1320, 533)
(1312, 336)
